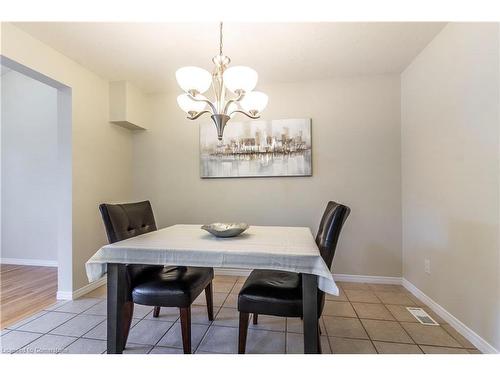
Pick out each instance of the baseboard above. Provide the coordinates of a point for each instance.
(64, 295)
(367, 279)
(336, 277)
(231, 272)
(465, 331)
(29, 262)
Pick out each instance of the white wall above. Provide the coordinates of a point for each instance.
(356, 161)
(101, 152)
(29, 169)
(450, 174)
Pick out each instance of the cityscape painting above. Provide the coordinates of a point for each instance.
(257, 148)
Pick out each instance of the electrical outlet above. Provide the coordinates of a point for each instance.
(427, 266)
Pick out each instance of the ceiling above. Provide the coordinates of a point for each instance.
(147, 54)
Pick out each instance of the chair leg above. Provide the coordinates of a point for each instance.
(186, 328)
(242, 341)
(156, 312)
(210, 301)
(255, 318)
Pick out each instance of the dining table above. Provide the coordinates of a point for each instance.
(282, 248)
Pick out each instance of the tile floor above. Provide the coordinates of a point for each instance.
(364, 318)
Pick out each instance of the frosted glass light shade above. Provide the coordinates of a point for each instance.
(254, 101)
(240, 78)
(193, 78)
(189, 105)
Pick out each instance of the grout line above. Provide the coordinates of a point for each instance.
(210, 323)
(15, 351)
(355, 317)
(144, 318)
(45, 333)
(49, 332)
(403, 343)
(378, 303)
(79, 337)
(206, 332)
(162, 336)
(440, 346)
(22, 325)
(326, 335)
(286, 335)
(364, 328)
(171, 327)
(404, 329)
(385, 306)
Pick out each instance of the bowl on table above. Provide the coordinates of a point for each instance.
(225, 229)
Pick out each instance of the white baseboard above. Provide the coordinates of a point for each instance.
(231, 272)
(336, 277)
(367, 279)
(29, 262)
(465, 331)
(65, 295)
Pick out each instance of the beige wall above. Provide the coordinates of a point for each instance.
(102, 152)
(356, 160)
(450, 174)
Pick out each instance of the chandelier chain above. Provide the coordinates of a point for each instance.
(220, 39)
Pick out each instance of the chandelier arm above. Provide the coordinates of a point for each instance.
(214, 110)
(246, 114)
(198, 115)
(240, 96)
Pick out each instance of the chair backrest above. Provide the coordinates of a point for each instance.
(329, 230)
(127, 220)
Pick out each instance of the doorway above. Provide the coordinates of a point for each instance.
(36, 223)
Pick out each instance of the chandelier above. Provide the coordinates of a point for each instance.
(239, 81)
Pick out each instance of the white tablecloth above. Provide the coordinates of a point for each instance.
(260, 247)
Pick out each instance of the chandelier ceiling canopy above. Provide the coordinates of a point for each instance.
(232, 88)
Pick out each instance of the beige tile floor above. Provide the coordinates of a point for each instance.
(364, 318)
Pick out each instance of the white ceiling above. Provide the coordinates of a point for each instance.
(147, 54)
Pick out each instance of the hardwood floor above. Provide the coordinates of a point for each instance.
(24, 290)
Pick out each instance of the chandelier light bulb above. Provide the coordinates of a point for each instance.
(189, 105)
(254, 102)
(193, 79)
(240, 78)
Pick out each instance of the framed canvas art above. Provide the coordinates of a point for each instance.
(257, 148)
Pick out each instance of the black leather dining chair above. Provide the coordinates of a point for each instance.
(153, 285)
(279, 293)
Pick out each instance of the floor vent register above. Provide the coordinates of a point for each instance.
(422, 316)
